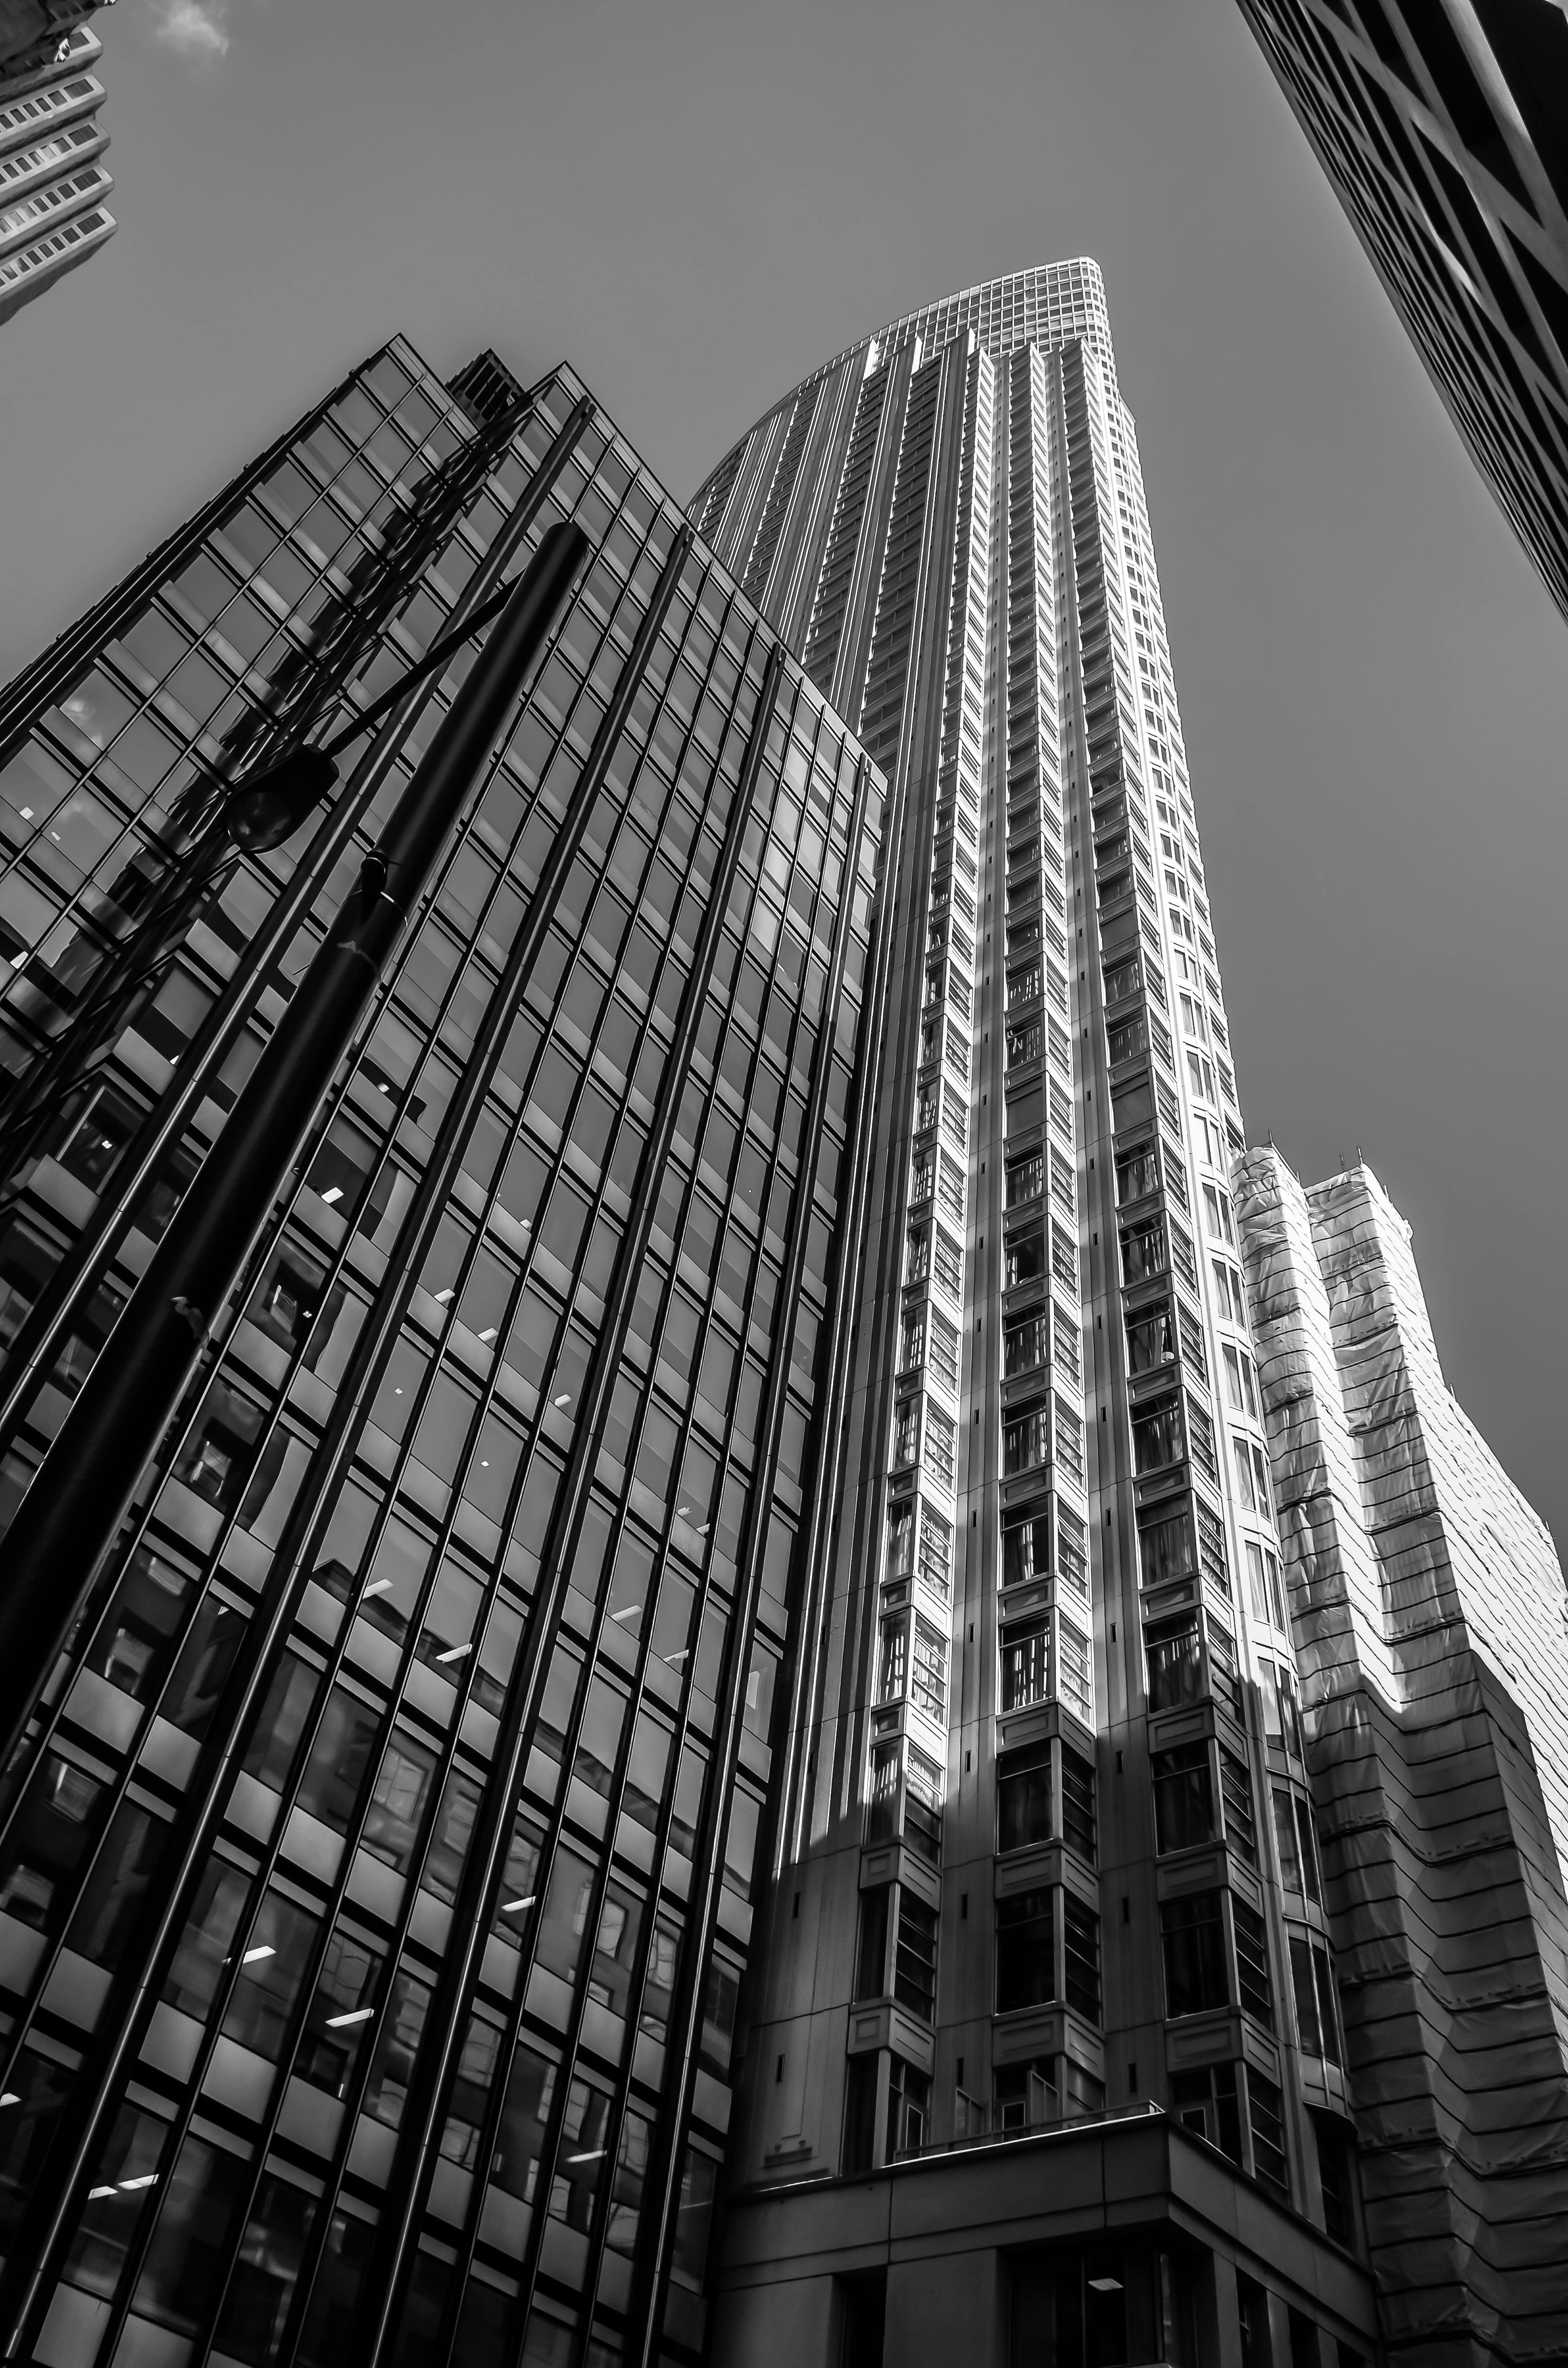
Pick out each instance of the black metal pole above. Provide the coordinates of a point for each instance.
(267, 806)
(43, 1333)
(79, 1494)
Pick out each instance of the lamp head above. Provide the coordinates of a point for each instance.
(267, 808)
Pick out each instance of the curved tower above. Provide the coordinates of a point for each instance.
(1048, 1965)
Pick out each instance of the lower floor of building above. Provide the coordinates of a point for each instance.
(1110, 2244)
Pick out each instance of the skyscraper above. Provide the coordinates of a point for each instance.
(52, 179)
(691, 1744)
(376, 1872)
(1046, 2057)
(1429, 1618)
(31, 32)
(1443, 126)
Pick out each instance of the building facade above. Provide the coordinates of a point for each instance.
(1428, 1613)
(33, 30)
(1045, 2051)
(378, 1871)
(53, 180)
(759, 1708)
(1443, 126)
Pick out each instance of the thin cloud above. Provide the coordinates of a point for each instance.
(193, 28)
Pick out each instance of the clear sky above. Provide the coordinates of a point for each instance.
(695, 202)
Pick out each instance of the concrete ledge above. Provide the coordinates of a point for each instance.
(1044, 2187)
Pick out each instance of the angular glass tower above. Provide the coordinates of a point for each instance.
(1046, 2057)
(376, 1868)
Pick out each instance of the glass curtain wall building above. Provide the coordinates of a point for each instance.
(52, 177)
(378, 1871)
(1048, 1924)
(1443, 126)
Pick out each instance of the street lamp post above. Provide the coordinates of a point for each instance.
(79, 1494)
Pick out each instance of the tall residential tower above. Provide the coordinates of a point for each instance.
(1049, 2059)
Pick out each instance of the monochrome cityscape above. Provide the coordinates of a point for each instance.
(677, 1692)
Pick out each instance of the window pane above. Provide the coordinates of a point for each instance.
(1026, 1951)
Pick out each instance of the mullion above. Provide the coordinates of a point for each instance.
(234, 1008)
(448, 1754)
(682, 1728)
(569, 2043)
(395, 2252)
(246, 1690)
(128, 1763)
(395, 1962)
(806, 1660)
(189, 2103)
(651, 2265)
(134, 962)
(672, 1076)
(64, 661)
(553, 1820)
(515, 2010)
(572, 2038)
(424, 1218)
(341, 1101)
(180, 894)
(131, 1766)
(329, 1923)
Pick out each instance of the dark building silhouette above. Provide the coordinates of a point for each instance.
(1443, 126)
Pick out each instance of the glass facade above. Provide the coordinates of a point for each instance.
(378, 1874)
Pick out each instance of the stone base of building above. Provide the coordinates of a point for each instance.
(1100, 2242)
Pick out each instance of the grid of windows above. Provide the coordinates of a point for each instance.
(53, 91)
(474, 1550)
(1059, 749)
